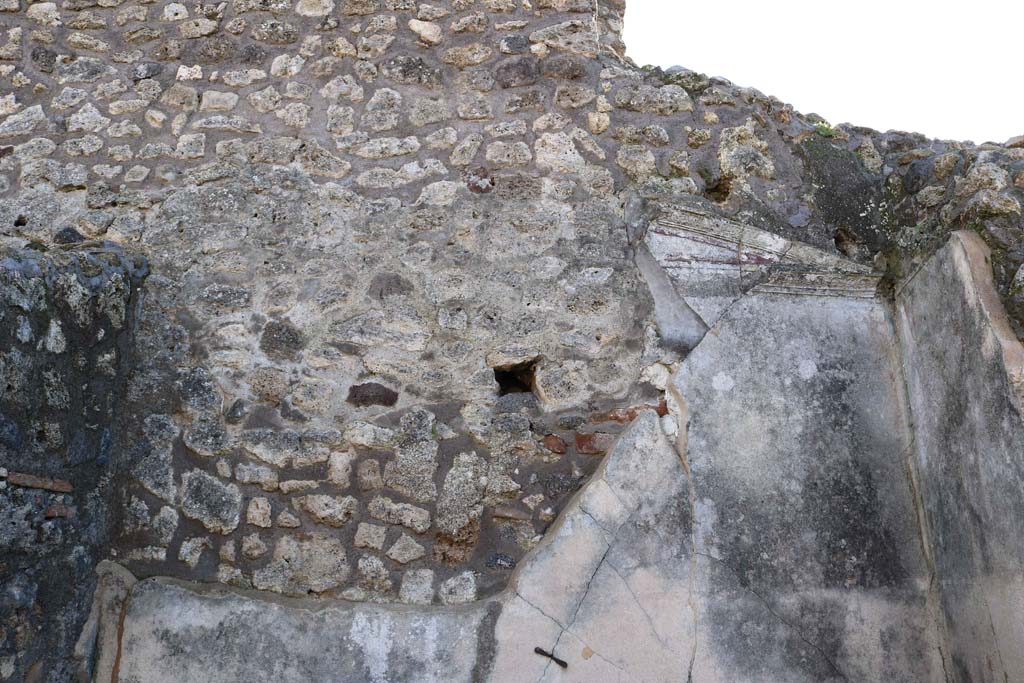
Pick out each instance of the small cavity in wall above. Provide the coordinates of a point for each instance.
(515, 379)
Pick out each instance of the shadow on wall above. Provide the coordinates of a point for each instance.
(67, 322)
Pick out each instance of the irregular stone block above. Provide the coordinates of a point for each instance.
(310, 563)
(410, 516)
(209, 501)
(332, 511)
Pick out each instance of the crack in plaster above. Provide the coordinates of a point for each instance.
(995, 635)
(586, 589)
(611, 532)
(606, 660)
(576, 611)
(636, 599)
(682, 441)
(546, 615)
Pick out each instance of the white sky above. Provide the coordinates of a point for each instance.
(950, 70)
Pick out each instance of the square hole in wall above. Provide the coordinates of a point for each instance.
(515, 379)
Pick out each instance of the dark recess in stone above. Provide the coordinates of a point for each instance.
(847, 243)
(515, 379)
(371, 394)
(719, 190)
(68, 236)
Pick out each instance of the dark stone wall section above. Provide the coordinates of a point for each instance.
(66, 325)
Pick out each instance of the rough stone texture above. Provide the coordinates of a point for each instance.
(967, 401)
(624, 557)
(205, 499)
(66, 326)
(418, 266)
(349, 205)
(783, 546)
(306, 564)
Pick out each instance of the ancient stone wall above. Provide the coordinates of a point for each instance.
(66, 321)
(353, 345)
(400, 306)
(818, 518)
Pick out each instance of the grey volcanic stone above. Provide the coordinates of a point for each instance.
(371, 394)
(517, 71)
(332, 511)
(463, 491)
(67, 325)
(281, 340)
(412, 471)
(210, 501)
(154, 469)
(409, 516)
(405, 550)
(417, 587)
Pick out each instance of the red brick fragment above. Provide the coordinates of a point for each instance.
(30, 481)
(554, 443)
(593, 444)
(64, 511)
(627, 415)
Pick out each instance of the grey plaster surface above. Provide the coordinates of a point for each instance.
(803, 513)
(964, 372)
(175, 633)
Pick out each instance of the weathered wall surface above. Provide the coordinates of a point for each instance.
(784, 537)
(609, 561)
(653, 572)
(775, 539)
(357, 211)
(346, 267)
(400, 305)
(66, 321)
(965, 374)
(797, 447)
